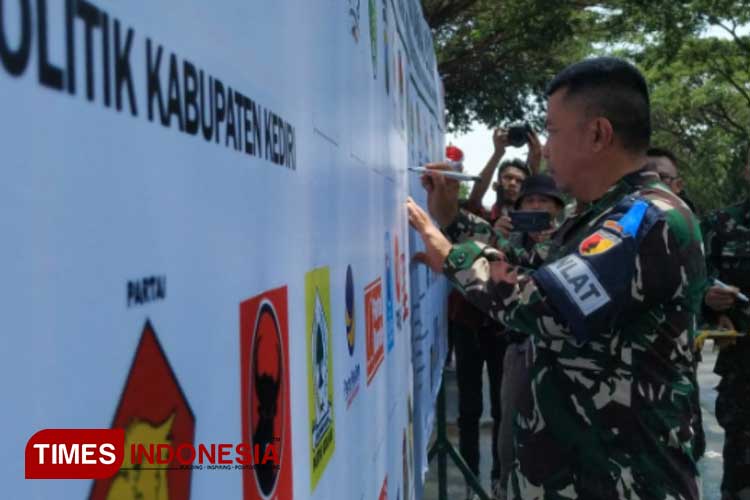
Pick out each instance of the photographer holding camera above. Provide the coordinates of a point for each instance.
(510, 176)
(475, 336)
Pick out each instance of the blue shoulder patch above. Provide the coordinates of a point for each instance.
(631, 221)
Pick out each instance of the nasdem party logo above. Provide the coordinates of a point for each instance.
(352, 380)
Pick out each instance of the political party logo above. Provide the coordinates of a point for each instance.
(404, 294)
(373, 12)
(350, 318)
(266, 417)
(401, 88)
(409, 446)
(351, 382)
(397, 273)
(437, 338)
(597, 243)
(155, 414)
(320, 370)
(398, 270)
(384, 490)
(374, 333)
(388, 293)
(354, 18)
(433, 356)
(386, 58)
(418, 123)
(405, 466)
(401, 91)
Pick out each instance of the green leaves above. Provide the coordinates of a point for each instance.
(497, 56)
(494, 56)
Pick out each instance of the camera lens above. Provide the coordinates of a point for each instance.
(517, 136)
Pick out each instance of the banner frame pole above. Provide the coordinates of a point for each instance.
(443, 448)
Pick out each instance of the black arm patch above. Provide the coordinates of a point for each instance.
(589, 288)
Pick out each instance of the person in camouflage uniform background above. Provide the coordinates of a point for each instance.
(612, 313)
(664, 163)
(727, 239)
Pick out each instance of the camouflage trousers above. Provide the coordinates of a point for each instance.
(516, 396)
(733, 414)
(735, 485)
(699, 434)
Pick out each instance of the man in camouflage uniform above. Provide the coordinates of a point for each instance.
(611, 313)
(727, 237)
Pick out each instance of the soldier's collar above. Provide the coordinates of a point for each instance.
(626, 184)
(640, 177)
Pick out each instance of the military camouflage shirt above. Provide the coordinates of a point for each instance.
(727, 237)
(611, 365)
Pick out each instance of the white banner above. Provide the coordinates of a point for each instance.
(206, 241)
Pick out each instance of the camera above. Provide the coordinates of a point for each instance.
(517, 134)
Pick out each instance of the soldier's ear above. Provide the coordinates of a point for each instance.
(601, 134)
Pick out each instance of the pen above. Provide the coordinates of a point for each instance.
(740, 295)
(447, 173)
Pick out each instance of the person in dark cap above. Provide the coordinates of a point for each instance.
(538, 193)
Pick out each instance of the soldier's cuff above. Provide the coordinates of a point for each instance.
(461, 257)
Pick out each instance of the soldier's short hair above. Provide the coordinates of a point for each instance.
(656, 152)
(614, 89)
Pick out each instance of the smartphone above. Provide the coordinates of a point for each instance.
(530, 222)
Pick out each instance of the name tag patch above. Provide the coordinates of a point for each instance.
(580, 282)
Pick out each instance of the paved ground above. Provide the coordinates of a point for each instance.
(710, 465)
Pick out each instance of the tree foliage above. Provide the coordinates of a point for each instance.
(496, 57)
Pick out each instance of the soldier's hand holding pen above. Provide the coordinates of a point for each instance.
(442, 194)
(721, 297)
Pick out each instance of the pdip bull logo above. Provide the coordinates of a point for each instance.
(267, 410)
